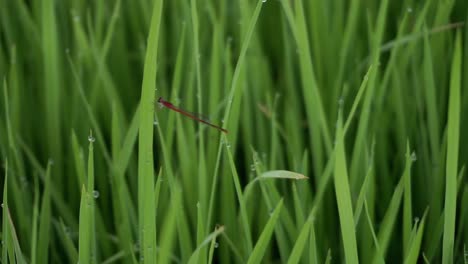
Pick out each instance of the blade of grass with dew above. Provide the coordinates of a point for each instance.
(213, 245)
(453, 135)
(301, 241)
(415, 246)
(45, 219)
(147, 228)
(208, 239)
(343, 197)
(265, 238)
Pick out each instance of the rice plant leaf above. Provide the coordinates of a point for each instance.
(84, 236)
(206, 241)
(262, 243)
(298, 248)
(147, 221)
(415, 246)
(45, 220)
(343, 198)
(453, 135)
(282, 174)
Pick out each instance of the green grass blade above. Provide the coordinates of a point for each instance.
(147, 226)
(240, 65)
(453, 135)
(298, 249)
(388, 222)
(45, 220)
(169, 228)
(240, 198)
(7, 248)
(415, 247)
(65, 238)
(343, 198)
(379, 258)
(206, 241)
(407, 204)
(262, 243)
(84, 240)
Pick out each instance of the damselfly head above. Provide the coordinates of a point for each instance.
(160, 104)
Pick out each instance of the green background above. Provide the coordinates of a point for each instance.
(368, 99)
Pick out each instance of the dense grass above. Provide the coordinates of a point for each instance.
(345, 119)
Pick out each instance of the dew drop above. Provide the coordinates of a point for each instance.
(409, 10)
(95, 194)
(91, 138)
(1, 205)
(264, 1)
(413, 156)
(76, 18)
(155, 123)
(216, 245)
(341, 101)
